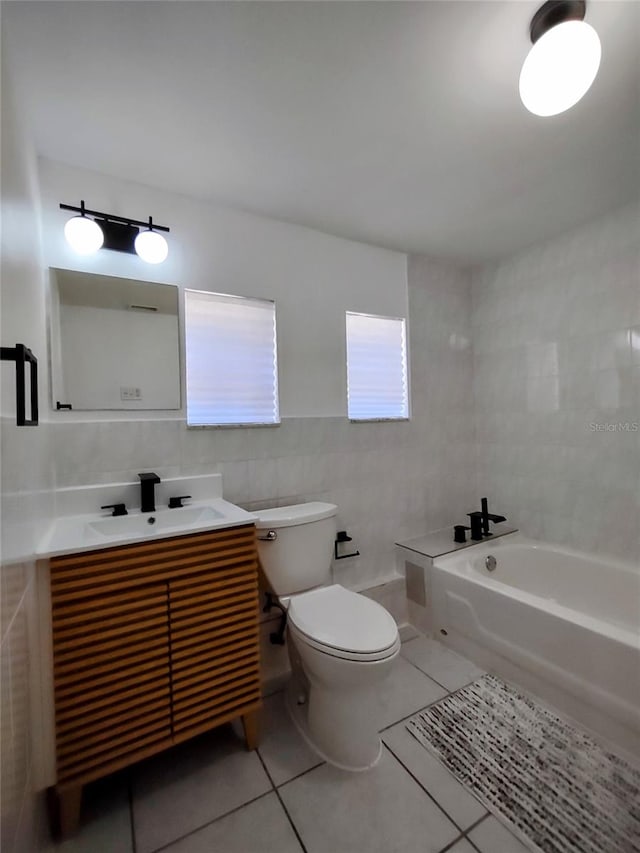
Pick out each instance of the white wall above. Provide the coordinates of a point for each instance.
(26, 481)
(556, 334)
(313, 277)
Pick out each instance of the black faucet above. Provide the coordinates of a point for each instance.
(480, 521)
(148, 481)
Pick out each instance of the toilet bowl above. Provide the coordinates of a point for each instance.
(341, 644)
(345, 650)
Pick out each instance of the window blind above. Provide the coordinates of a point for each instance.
(376, 368)
(231, 360)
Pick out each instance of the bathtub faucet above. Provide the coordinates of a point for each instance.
(480, 521)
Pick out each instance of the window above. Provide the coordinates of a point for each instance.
(232, 365)
(376, 368)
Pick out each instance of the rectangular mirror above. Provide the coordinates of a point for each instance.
(114, 343)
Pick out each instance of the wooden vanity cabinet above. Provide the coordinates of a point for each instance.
(153, 643)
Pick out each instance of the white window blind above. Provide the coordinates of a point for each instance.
(232, 366)
(376, 368)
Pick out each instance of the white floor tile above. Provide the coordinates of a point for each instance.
(105, 820)
(454, 798)
(378, 811)
(445, 666)
(283, 750)
(260, 827)
(191, 785)
(491, 836)
(404, 692)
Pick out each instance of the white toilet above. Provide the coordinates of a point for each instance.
(341, 644)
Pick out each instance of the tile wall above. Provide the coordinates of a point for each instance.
(389, 480)
(26, 500)
(556, 339)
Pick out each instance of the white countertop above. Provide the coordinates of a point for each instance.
(74, 531)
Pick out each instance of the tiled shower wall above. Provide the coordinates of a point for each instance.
(556, 336)
(389, 480)
(26, 501)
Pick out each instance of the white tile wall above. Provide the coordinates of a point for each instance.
(27, 477)
(389, 480)
(557, 381)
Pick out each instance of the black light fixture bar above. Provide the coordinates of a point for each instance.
(109, 217)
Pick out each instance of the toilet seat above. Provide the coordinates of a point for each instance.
(343, 624)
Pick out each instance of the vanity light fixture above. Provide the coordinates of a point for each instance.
(563, 61)
(151, 246)
(107, 231)
(84, 235)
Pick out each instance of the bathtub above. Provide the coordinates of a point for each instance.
(563, 624)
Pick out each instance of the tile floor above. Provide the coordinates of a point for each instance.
(212, 796)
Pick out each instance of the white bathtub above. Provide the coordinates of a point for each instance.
(564, 624)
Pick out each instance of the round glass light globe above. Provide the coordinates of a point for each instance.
(560, 68)
(83, 235)
(151, 247)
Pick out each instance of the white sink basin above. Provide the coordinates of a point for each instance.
(153, 523)
(73, 534)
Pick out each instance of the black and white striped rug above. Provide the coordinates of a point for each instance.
(551, 783)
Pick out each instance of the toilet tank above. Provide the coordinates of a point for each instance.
(295, 544)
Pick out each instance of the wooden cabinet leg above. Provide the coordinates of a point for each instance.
(69, 800)
(250, 726)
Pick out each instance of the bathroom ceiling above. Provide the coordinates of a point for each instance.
(394, 123)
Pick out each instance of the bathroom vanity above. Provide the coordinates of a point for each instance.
(152, 642)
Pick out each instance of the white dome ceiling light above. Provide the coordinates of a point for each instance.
(151, 246)
(564, 60)
(86, 235)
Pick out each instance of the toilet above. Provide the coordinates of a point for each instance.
(341, 645)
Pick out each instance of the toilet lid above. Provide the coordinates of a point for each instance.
(340, 619)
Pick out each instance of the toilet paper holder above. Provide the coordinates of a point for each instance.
(343, 536)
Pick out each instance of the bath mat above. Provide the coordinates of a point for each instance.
(554, 786)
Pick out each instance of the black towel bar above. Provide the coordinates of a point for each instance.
(21, 355)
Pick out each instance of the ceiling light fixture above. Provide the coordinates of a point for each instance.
(564, 60)
(118, 233)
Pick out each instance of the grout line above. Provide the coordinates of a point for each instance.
(281, 801)
(463, 832)
(266, 769)
(455, 690)
(412, 714)
(452, 843)
(472, 827)
(422, 672)
(424, 708)
(303, 773)
(131, 821)
(210, 822)
(431, 797)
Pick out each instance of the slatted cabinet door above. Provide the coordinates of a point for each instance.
(111, 677)
(214, 636)
(152, 644)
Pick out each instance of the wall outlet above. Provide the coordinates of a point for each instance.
(130, 393)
